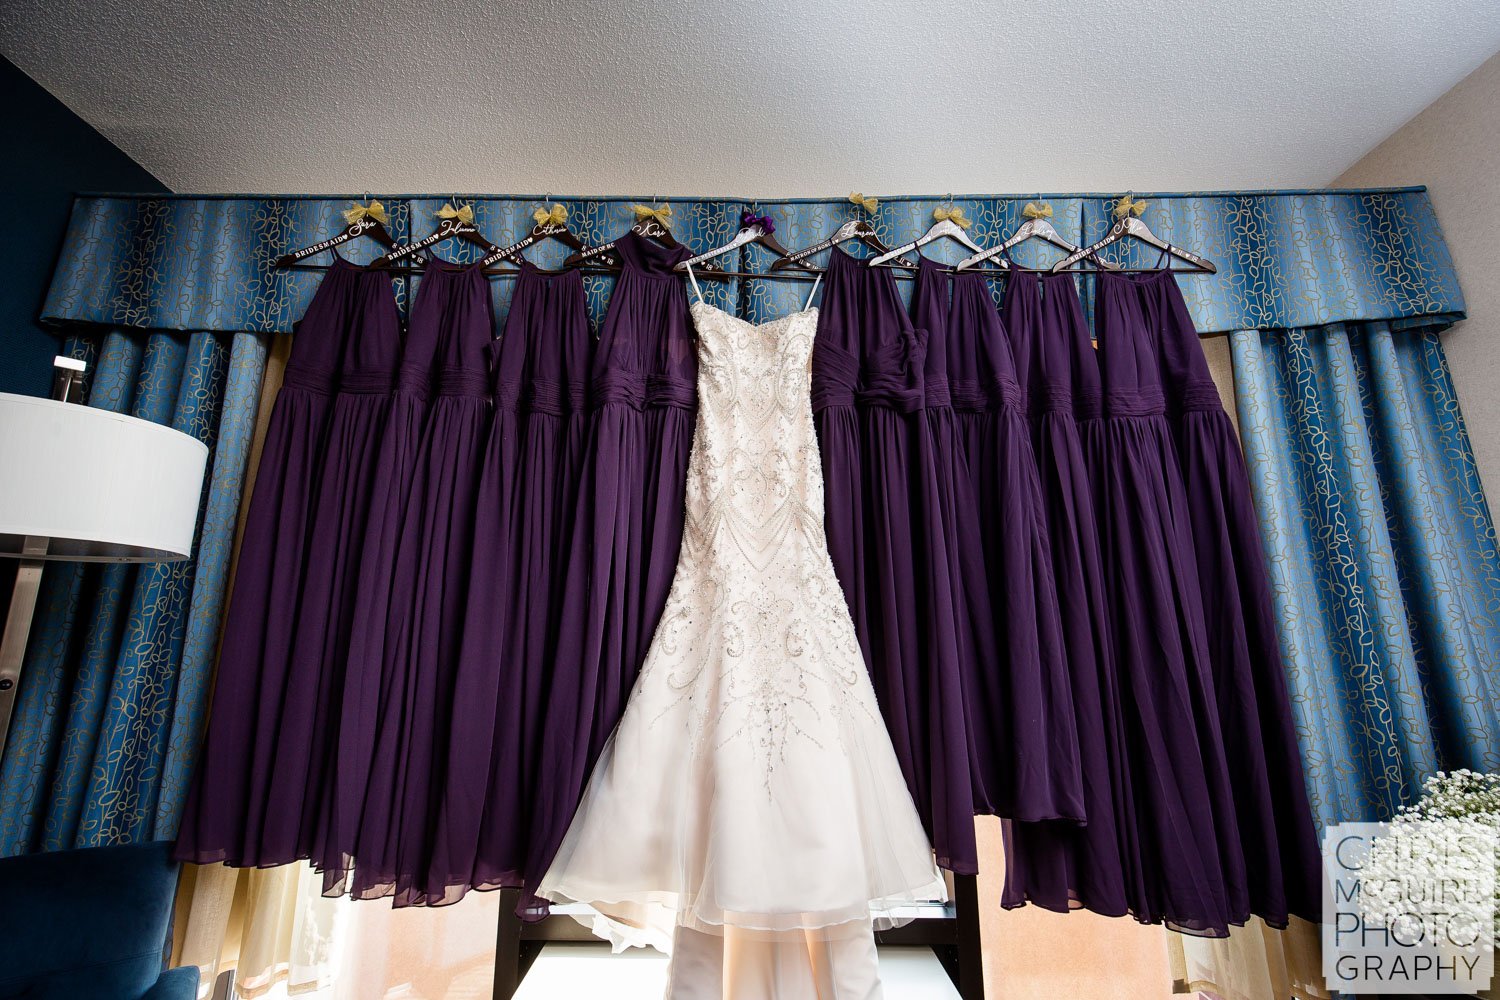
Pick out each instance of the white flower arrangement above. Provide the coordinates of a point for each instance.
(1438, 856)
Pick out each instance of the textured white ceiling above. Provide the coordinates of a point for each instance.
(752, 97)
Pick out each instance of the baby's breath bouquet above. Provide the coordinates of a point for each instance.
(1439, 853)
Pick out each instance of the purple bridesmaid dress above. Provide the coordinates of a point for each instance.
(1192, 861)
(434, 553)
(528, 493)
(1017, 690)
(246, 805)
(889, 542)
(448, 316)
(624, 550)
(1057, 866)
(1276, 826)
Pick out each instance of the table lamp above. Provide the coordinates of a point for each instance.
(81, 484)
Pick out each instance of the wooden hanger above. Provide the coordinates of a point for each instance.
(550, 224)
(1036, 226)
(754, 229)
(949, 223)
(650, 222)
(367, 218)
(857, 228)
(453, 222)
(1128, 223)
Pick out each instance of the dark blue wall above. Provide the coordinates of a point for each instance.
(51, 155)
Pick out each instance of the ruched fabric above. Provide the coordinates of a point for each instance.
(1017, 693)
(889, 539)
(624, 544)
(523, 526)
(1198, 816)
(265, 759)
(400, 650)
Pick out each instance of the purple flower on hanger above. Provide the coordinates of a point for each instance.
(748, 219)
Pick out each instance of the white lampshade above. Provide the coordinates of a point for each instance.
(98, 486)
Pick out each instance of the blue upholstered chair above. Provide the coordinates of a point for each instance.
(89, 925)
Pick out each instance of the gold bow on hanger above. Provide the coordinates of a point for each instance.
(644, 212)
(953, 214)
(1127, 206)
(546, 220)
(374, 210)
(1037, 210)
(464, 215)
(869, 204)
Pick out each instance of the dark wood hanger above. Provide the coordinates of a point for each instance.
(1037, 227)
(1128, 223)
(649, 222)
(360, 219)
(855, 229)
(754, 229)
(453, 222)
(551, 224)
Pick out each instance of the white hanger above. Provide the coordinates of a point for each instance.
(941, 228)
(1035, 227)
(1128, 223)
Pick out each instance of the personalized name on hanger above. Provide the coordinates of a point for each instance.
(451, 222)
(949, 222)
(1128, 211)
(366, 218)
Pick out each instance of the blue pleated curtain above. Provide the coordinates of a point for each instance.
(174, 300)
(1382, 555)
(112, 700)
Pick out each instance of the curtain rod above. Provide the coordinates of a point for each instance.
(1032, 196)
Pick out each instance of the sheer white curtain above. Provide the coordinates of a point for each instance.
(1254, 963)
(284, 939)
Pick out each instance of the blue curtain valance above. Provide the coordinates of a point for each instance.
(1286, 259)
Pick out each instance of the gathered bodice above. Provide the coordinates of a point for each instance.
(868, 351)
(755, 463)
(645, 358)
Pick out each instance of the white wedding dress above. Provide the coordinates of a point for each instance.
(748, 811)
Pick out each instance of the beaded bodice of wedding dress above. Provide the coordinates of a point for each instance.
(750, 796)
(755, 586)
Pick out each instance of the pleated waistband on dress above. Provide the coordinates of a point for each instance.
(998, 393)
(838, 380)
(323, 382)
(541, 395)
(644, 391)
(462, 382)
(1144, 402)
(936, 392)
(1199, 395)
(367, 382)
(1058, 396)
(414, 382)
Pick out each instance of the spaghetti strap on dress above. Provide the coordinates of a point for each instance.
(749, 809)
